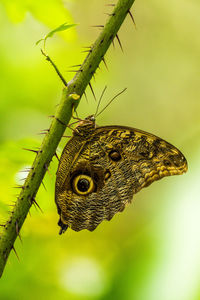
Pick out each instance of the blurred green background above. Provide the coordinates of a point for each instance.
(152, 250)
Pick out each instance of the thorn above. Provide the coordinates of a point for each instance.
(103, 59)
(119, 42)
(35, 151)
(19, 187)
(110, 15)
(98, 26)
(17, 230)
(52, 116)
(34, 202)
(88, 47)
(85, 96)
(93, 75)
(75, 71)
(132, 18)
(110, 4)
(15, 252)
(44, 131)
(88, 51)
(74, 66)
(92, 90)
(113, 43)
(2, 225)
(44, 186)
(66, 136)
(56, 155)
(22, 179)
(26, 170)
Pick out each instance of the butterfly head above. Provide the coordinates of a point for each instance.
(90, 118)
(86, 126)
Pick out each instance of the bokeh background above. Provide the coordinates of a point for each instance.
(152, 250)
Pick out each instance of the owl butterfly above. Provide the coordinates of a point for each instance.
(101, 168)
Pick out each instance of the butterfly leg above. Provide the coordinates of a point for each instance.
(74, 111)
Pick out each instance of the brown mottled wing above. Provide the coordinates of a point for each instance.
(144, 158)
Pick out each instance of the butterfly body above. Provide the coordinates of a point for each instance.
(101, 168)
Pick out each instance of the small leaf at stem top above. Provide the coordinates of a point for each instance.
(62, 27)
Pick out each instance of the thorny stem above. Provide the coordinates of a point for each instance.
(77, 86)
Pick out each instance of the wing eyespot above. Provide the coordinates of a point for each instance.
(83, 185)
(115, 155)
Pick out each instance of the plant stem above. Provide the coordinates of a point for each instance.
(77, 86)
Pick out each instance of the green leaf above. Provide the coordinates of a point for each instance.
(62, 27)
(39, 41)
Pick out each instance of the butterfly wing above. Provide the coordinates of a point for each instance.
(106, 170)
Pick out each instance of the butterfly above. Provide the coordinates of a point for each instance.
(101, 168)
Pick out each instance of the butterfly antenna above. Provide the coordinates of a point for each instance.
(99, 102)
(111, 101)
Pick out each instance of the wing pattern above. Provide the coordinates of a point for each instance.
(120, 161)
